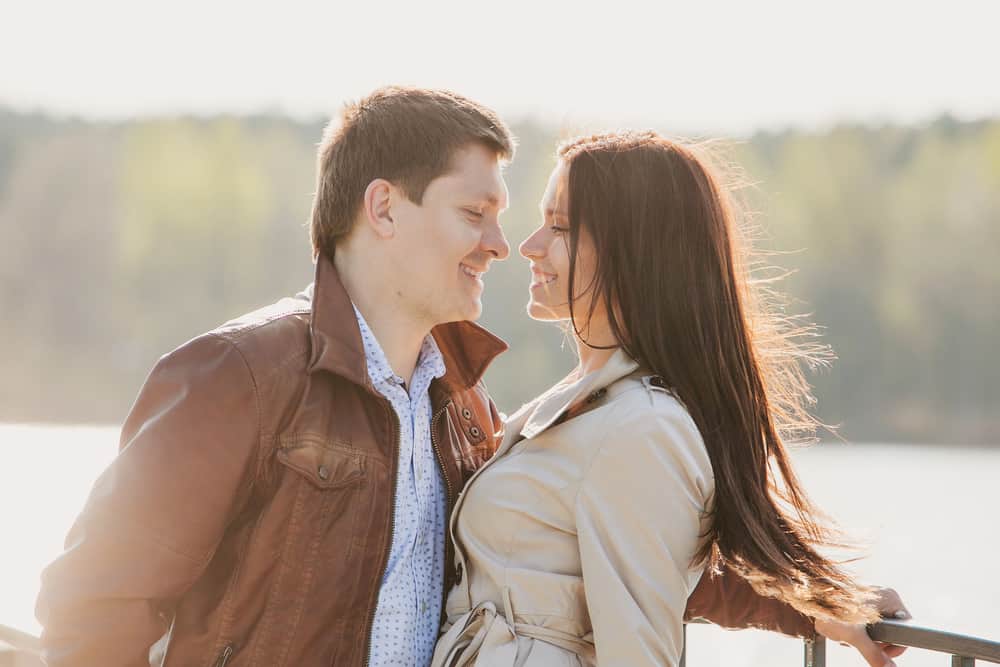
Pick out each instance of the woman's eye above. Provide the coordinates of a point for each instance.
(556, 229)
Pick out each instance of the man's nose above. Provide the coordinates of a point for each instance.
(495, 243)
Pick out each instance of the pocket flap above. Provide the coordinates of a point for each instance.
(326, 465)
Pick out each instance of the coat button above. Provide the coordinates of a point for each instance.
(323, 472)
(475, 432)
(467, 413)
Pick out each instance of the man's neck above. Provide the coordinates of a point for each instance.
(399, 336)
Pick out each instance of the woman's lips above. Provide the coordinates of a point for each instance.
(541, 278)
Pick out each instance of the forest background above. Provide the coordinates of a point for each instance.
(119, 240)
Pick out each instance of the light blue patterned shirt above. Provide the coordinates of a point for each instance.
(408, 613)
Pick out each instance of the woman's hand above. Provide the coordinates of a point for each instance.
(877, 654)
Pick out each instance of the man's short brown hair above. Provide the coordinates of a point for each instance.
(407, 136)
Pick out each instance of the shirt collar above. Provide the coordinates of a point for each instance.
(430, 361)
(335, 341)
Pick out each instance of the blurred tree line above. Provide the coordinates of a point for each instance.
(119, 241)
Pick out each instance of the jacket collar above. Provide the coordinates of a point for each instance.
(467, 348)
(543, 412)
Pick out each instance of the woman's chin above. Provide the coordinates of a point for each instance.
(542, 313)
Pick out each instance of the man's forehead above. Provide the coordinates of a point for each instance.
(496, 197)
(489, 189)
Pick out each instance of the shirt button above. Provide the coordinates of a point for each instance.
(467, 413)
(323, 472)
(474, 431)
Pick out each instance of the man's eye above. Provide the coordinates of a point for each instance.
(476, 215)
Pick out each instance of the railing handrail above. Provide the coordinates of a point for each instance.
(22, 641)
(904, 633)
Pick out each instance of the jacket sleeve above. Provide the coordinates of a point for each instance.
(639, 513)
(155, 517)
(728, 600)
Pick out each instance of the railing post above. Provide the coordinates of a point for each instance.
(684, 644)
(962, 661)
(815, 653)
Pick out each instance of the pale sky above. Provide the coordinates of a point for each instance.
(697, 66)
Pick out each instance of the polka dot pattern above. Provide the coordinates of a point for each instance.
(409, 604)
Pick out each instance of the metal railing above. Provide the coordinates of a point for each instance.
(964, 650)
(18, 648)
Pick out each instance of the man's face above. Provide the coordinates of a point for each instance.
(449, 240)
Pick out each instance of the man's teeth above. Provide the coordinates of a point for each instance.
(470, 272)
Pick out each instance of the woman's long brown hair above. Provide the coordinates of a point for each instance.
(672, 263)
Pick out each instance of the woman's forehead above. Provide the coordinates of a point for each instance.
(556, 198)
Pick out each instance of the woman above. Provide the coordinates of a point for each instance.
(661, 454)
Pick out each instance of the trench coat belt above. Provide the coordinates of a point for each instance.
(483, 637)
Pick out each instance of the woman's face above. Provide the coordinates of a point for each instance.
(548, 250)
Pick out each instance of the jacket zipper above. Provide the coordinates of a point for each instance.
(448, 548)
(437, 451)
(392, 535)
(224, 656)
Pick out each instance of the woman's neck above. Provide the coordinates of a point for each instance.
(594, 346)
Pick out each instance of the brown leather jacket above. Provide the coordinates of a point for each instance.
(248, 517)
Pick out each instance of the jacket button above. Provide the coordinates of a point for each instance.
(474, 431)
(467, 413)
(658, 381)
(323, 472)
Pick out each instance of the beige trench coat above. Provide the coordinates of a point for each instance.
(575, 540)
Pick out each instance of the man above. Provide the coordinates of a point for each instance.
(284, 481)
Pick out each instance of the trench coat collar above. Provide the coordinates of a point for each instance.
(545, 410)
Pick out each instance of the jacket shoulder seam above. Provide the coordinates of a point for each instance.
(239, 332)
(256, 395)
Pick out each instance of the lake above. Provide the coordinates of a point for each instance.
(927, 514)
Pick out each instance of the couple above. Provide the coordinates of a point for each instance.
(323, 481)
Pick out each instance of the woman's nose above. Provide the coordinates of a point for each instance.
(532, 247)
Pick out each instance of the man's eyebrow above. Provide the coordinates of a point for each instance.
(488, 197)
(499, 202)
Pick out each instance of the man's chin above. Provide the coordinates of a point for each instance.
(470, 313)
(474, 312)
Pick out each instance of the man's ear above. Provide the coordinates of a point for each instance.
(377, 208)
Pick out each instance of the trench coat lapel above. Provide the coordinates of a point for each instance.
(547, 408)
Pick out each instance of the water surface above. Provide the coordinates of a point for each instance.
(928, 514)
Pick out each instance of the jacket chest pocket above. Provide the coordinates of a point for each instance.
(308, 530)
(324, 465)
(326, 484)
